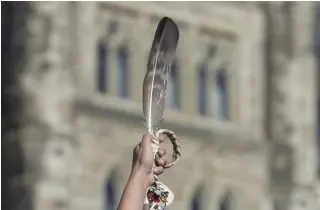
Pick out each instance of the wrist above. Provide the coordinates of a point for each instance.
(140, 177)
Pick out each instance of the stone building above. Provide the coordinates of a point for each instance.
(242, 100)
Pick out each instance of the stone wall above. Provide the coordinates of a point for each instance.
(75, 138)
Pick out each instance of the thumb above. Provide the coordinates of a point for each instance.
(146, 141)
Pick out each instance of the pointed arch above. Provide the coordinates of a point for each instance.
(225, 202)
(110, 191)
(211, 51)
(213, 90)
(172, 100)
(122, 62)
(196, 199)
(113, 27)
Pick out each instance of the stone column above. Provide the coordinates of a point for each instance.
(278, 126)
(87, 33)
(290, 113)
(47, 83)
(304, 108)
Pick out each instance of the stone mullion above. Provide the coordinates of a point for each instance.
(231, 74)
(46, 139)
(280, 127)
(87, 33)
(280, 75)
(304, 101)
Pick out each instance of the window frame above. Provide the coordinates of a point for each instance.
(211, 63)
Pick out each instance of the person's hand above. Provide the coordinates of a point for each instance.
(142, 163)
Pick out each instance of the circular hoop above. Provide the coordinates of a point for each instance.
(175, 146)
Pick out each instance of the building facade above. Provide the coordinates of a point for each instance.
(242, 100)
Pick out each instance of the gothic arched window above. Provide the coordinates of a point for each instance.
(212, 93)
(225, 203)
(102, 67)
(195, 203)
(172, 100)
(122, 72)
(110, 192)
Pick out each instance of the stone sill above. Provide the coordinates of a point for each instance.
(212, 131)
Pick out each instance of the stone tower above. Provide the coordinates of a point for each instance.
(242, 100)
(291, 122)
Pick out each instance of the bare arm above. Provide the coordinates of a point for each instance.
(134, 192)
(141, 176)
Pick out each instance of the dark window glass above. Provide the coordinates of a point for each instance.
(225, 203)
(122, 72)
(102, 68)
(172, 100)
(202, 90)
(221, 98)
(110, 193)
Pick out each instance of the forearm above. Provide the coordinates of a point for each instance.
(134, 192)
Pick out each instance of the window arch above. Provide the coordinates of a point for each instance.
(102, 67)
(172, 100)
(196, 200)
(195, 204)
(213, 92)
(218, 94)
(224, 203)
(122, 71)
(110, 192)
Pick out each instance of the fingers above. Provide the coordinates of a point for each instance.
(161, 141)
(157, 170)
(147, 137)
(146, 143)
(161, 152)
(146, 140)
(136, 148)
(161, 138)
(159, 160)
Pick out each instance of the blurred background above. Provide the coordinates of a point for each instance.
(243, 99)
